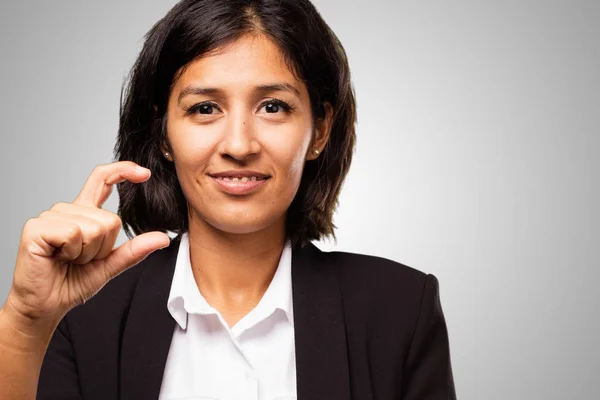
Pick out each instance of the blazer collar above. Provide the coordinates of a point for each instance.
(320, 334)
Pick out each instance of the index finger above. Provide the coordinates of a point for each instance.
(98, 186)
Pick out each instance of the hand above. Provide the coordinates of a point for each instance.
(66, 254)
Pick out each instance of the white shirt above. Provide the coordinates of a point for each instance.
(254, 360)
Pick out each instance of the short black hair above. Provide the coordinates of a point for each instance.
(193, 28)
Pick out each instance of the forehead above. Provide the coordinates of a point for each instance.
(251, 60)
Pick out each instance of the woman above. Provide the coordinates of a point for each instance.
(236, 133)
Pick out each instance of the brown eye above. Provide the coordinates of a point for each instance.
(275, 106)
(203, 108)
(272, 108)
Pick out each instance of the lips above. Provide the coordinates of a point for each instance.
(240, 179)
(239, 182)
(239, 174)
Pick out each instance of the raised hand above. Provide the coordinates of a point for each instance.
(66, 254)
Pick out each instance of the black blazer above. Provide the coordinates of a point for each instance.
(365, 328)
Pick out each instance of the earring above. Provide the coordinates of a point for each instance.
(167, 155)
(316, 152)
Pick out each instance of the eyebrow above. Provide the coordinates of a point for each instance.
(274, 87)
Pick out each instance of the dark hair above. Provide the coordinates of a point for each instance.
(191, 29)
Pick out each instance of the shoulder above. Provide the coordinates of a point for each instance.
(387, 293)
(375, 273)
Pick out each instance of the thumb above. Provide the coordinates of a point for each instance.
(133, 251)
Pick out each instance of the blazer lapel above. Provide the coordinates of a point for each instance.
(320, 333)
(149, 328)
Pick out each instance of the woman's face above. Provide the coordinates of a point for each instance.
(240, 129)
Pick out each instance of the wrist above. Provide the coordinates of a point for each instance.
(22, 310)
(23, 331)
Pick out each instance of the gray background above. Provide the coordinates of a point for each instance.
(477, 160)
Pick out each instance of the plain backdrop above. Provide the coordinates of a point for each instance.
(477, 160)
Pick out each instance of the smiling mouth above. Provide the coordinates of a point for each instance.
(239, 182)
(242, 179)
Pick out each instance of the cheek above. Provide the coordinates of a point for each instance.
(193, 147)
(288, 149)
(192, 144)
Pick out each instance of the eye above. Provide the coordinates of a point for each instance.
(203, 108)
(274, 106)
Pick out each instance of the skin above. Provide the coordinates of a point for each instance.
(66, 254)
(65, 257)
(236, 240)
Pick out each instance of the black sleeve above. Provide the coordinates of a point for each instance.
(428, 372)
(58, 376)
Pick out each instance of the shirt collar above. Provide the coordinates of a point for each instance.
(185, 298)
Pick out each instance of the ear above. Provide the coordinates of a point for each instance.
(165, 149)
(322, 133)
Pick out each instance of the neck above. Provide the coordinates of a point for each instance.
(233, 271)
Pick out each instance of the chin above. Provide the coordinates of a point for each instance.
(241, 223)
(242, 217)
(237, 227)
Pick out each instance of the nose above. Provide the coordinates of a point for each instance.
(239, 140)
